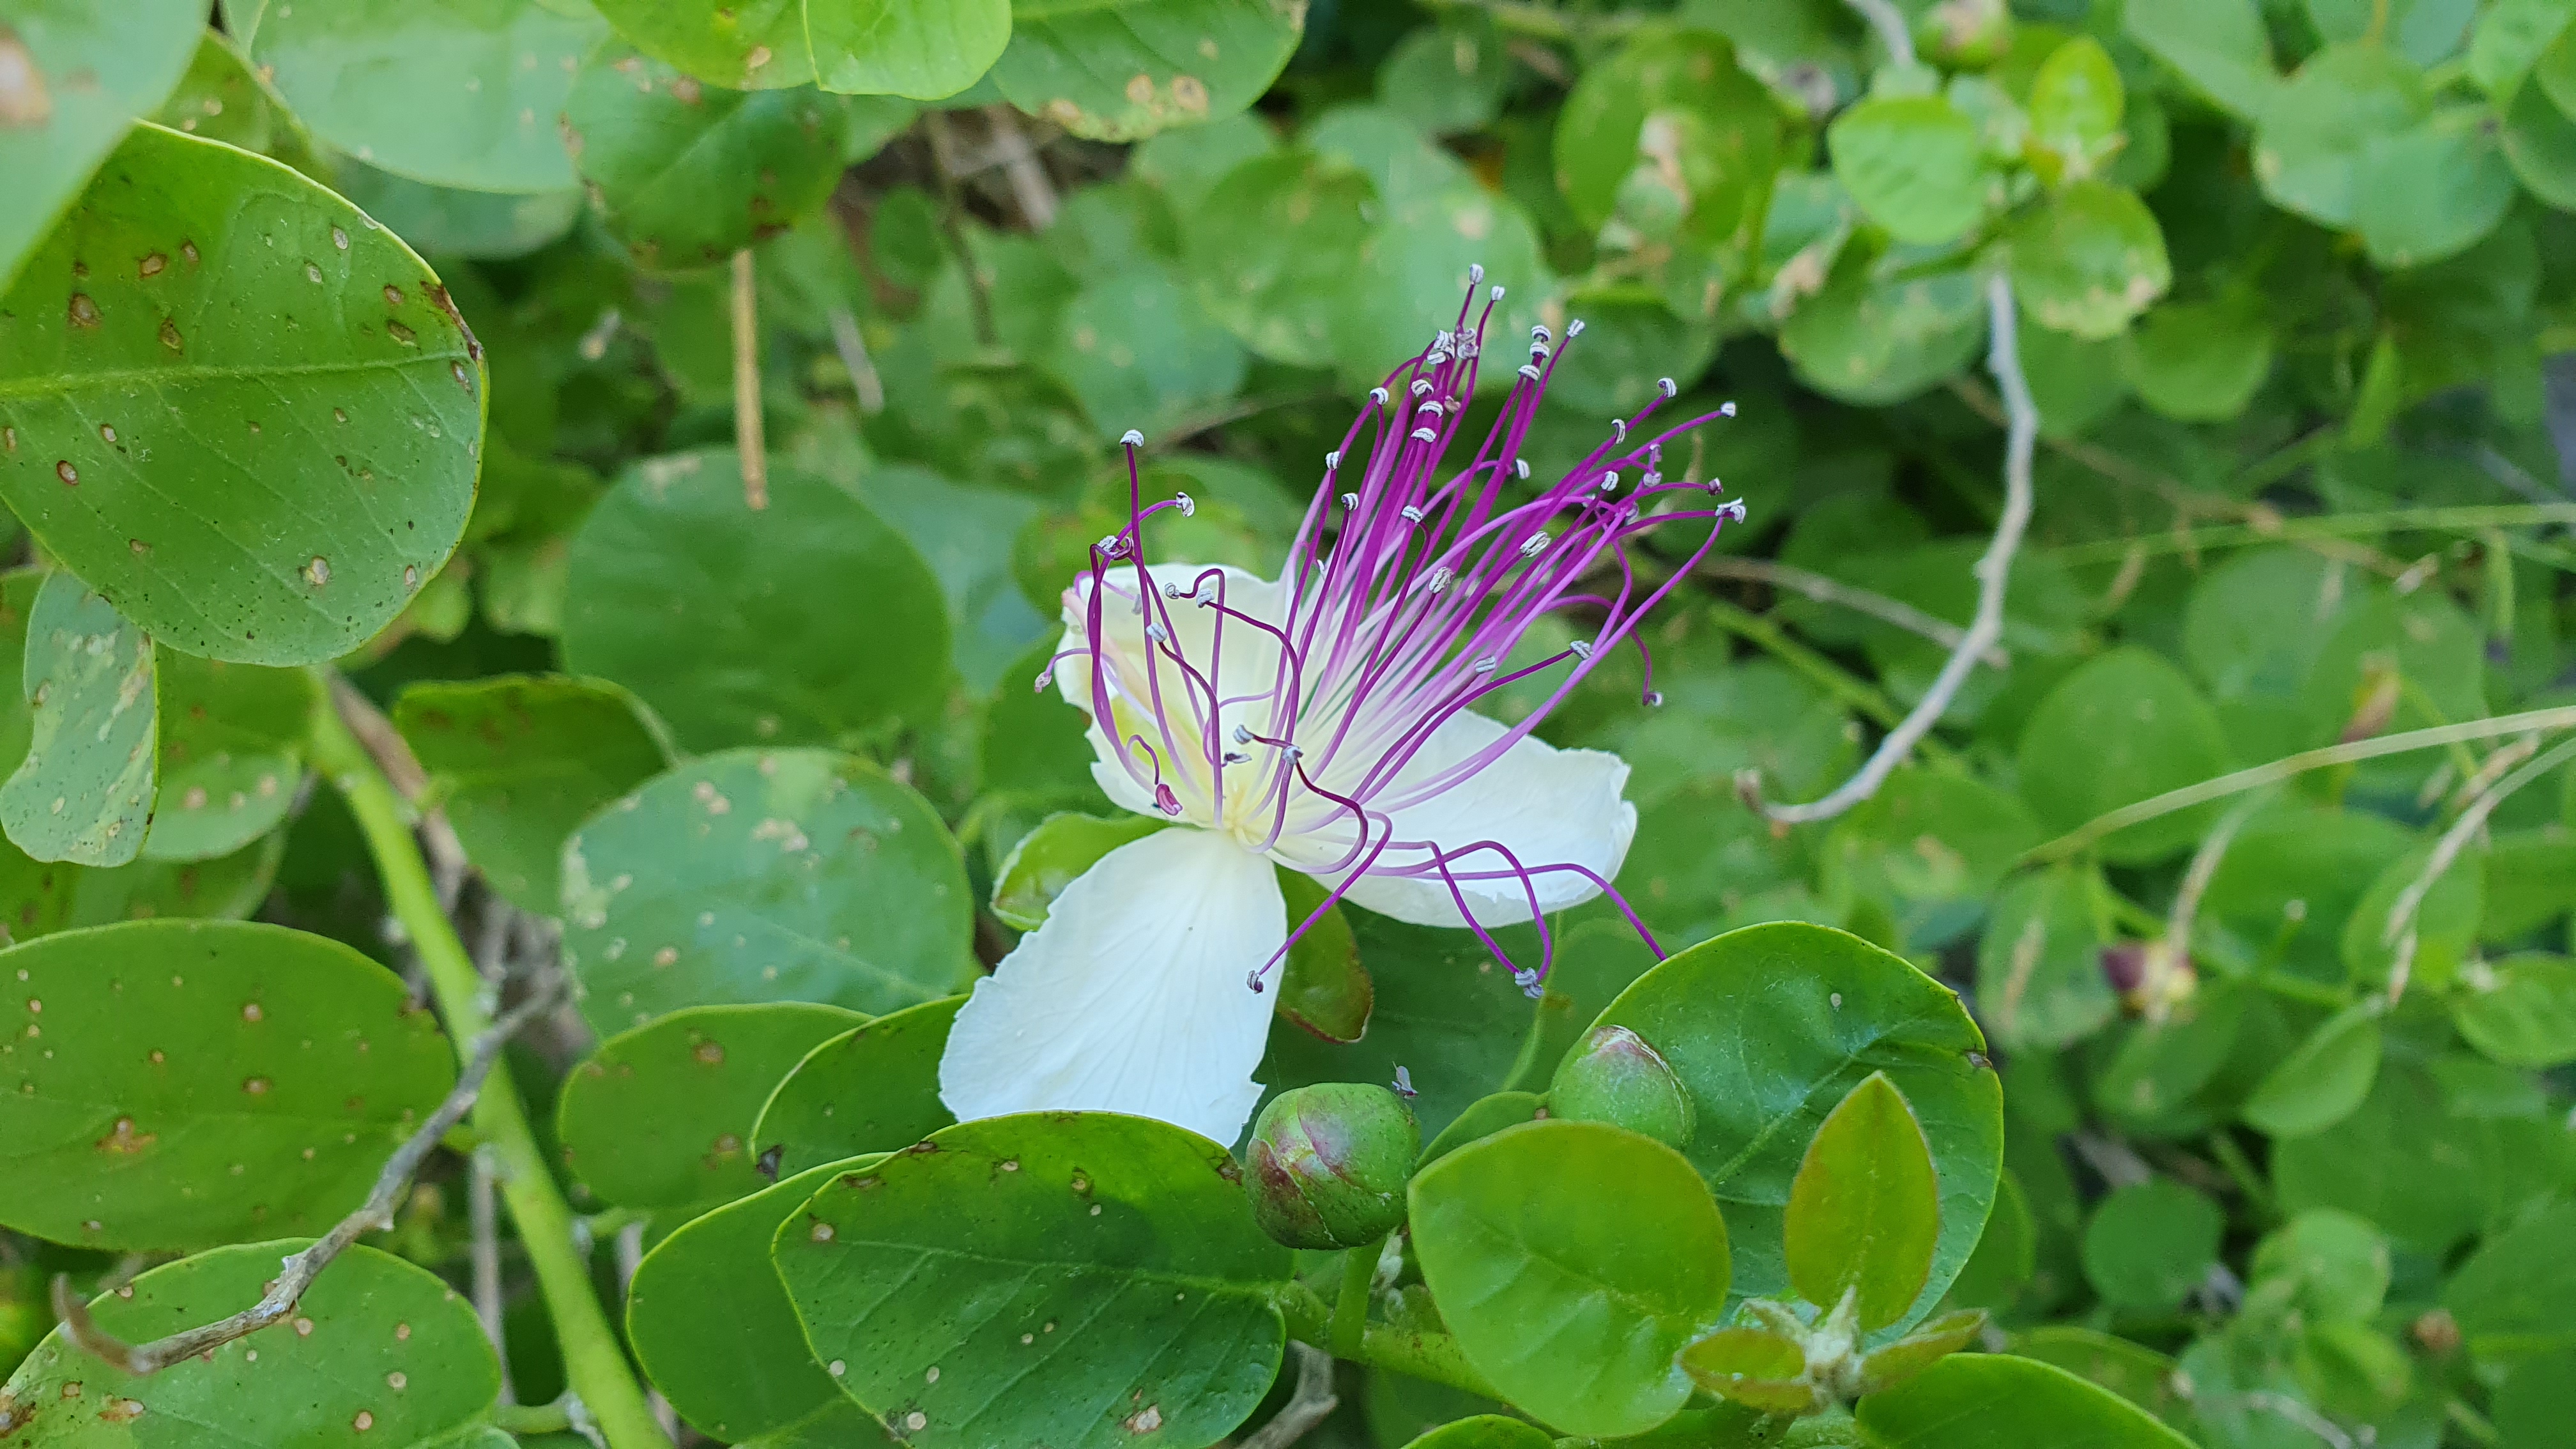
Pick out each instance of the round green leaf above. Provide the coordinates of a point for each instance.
(84, 791)
(2039, 962)
(805, 623)
(686, 174)
(1986, 1400)
(1116, 1289)
(2520, 1011)
(2510, 1297)
(2536, 1401)
(2432, 191)
(2321, 1082)
(221, 99)
(1448, 78)
(1051, 857)
(925, 49)
(2426, 1173)
(232, 749)
(1273, 240)
(228, 886)
(379, 1352)
(1915, 165)
(1120, 70)
(518, 761)
(1769, 1027)
(2131, 1370)
(2443, 930)
(2200, 362)
(210, 335)
(2124, 726)
(744, 1372)
(462, 93)
(2335, 1265)
(2315, 130)
(483, 225)
(78, 76)
(2149, 1244)
(1631, 342)
(1138, 350)
(1485, 1431)
(2076, 101)
(2089, 259)
(178, 1084)
(1870, 338)
(1864, 1209)
(874, 1088)
(2220, 46)
(659, 1117)
(764, 875)
(1410, 277)
(1511, 1233)
(2539, 143)
(1669, 106)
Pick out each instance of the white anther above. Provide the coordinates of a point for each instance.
(1173, 591)
(1582, 649)
(1437, 356)
(1108, 543)
(1378, 395)
(1619, 426)
(1440, 338)
(1484, 665)
(1411, 513)
(1350, 500)
(1158, 633)
(1715, 486)
(1653, 479)
(1610, 482)
(1186, 505)
(1439, 579)
(1654, 699)
(1045, 677)
(1541, 334)
(1475, 273)
(1734, 510)
(1432, 407)
(1726, 410)
(1497, 293)
(1421, 385)
(1520, 466)
(1236, 757)
(1536, 545)
(1132, 438)
(1332, 460)
(1530, 371)
(1573, 329)
(1242, 736)
(1538, 350)
(1292, 752)
(1424, 435)
(1671, 389)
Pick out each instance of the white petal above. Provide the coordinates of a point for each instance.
(1131, 996)
(1548, 806)
(1246, 665)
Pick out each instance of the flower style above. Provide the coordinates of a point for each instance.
(1324, 721)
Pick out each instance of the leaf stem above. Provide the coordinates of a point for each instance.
(593, 1361)
(1419, 1352)
(1350, 1313)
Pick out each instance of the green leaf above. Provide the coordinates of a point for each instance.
(2334, 1265)
(2428, 1173)
(874, 1088)
(2509, 40)
(746, 1371)
(2530, 882)
(2433, 191)
(660, 1117)
(1914, 164)
(2150, 1244)
(1484, 1431)
(1678, 110)
(1769, 1028)
(1323, 986)
(2160, 1066)
(1983, 1400)
(453, 94)
(2007, 1256)
(77, 77)
(1118, 1285)
(221, 99)
(2443, 929)
(2426, 32)
(1048, 859)
(1871, 337)
(519, 760)
(1885, 1368)
(925, 49)
(2136, 1373)
(1510, 1234)
(483, 225)
(1274, 238)
(2324, 1080)
(1483, 1118)
(210, 335)
(1447, 78)
(2316, 132)
(228, 886)
(2076, 381)
(232, 749)
(2124, 726)
(686, 174)
(1757, 1367)
(2510, 1297)
(2220, 46)
(2520, 1011)
(2537, 1399)
(2076, 102)
(379, 1352)
(2200, 362)
(1121, 70)
(1865, 1208)
(713, 613)
(181, 1084)
(764, 875)
(84, 791)
(2039, 961)
(1138, 351)
(2089, 259)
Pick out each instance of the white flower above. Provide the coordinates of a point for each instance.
(1321, 722)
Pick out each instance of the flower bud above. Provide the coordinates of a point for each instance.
(1614, 1077)
(1329, 1164)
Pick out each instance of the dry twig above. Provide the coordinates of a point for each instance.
(1311, 1403)
(748, 440)
(1826, 590)
(2399, 934)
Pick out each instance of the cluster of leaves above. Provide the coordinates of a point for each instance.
(682, 420)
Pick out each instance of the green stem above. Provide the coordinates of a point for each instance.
(1841, 684)
(593, 1361)
(1423, 1354)
(1350, 1314)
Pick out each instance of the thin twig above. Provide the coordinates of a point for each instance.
(748, 441)
(375, 1214)
(2399, 935)
(1890, 25)
(2204, 867)
(1311, 1403)
(1826, 590)
(2114, 1161)
(483, 1218)
(1993, 570)
(2300, 1414)
(1030, 187)
(2281, 769)
(848, 341)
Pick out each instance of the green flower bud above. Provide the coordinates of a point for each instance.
(1329, 1163)
(1968, 34)
(1614, 1077)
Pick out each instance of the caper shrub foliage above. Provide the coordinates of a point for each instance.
(635, 451)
